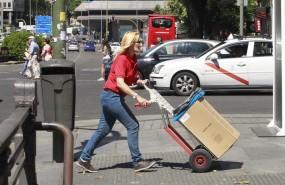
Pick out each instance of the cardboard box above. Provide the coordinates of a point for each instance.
(209, 128)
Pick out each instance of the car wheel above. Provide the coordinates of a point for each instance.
(184, 83)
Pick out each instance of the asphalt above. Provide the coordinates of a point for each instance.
(256, 158)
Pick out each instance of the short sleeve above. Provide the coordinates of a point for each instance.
(120, 66)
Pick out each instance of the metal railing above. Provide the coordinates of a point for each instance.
(18, 140)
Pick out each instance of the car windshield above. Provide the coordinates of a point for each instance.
(208, 50)
(90, 42)
(148, 50)
(73, 43)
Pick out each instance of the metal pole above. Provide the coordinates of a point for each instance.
(30, 13)
(68, 148)
(101, 24)
(59, 29)
(241, 17)
(107, 20)
(137, 14)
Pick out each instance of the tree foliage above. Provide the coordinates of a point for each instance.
(71, 5)
(16, 43)
(207, 17)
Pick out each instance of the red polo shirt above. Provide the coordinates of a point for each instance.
(123, 67)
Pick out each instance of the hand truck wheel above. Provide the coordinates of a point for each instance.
(200, 160)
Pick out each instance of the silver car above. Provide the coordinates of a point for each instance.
(73, 46)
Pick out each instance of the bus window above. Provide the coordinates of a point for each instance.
(162, 23)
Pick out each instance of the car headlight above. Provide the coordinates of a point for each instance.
(157, 69)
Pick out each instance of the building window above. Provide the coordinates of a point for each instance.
(9, 4)
(4, 5)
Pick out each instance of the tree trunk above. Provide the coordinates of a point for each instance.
(196, 11)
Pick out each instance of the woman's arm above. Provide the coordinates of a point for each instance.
(127, 90)
(104, 51)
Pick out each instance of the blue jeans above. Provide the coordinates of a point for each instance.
(114, 108)
(24, 67)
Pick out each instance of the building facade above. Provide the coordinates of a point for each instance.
(112, 18)
(12, 9)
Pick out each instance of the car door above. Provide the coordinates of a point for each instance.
(260, 64)
(230, 68)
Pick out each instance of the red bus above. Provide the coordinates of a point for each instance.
(162, 26)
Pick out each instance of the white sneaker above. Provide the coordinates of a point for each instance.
(100, 79)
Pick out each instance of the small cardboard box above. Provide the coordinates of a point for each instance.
(209, 128)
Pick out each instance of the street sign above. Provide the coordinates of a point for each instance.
(44, 25)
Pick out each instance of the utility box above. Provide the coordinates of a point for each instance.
(58, 94)
(209, 128)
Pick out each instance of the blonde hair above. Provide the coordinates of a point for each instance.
(129, 38)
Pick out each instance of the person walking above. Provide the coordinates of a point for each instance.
(123, 73)
(106, 52)
(26, 58)
(33, 67)
(47, 51)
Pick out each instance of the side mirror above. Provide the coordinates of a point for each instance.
(214, 56)
(155, 56)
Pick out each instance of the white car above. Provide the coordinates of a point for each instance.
(73, 46)
(115, 46)
(234, 64)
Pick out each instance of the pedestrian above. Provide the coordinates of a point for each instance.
(159, 40)
(26, 58)
(123, 73)
(107, 53)
(33, 67)
(47, 51)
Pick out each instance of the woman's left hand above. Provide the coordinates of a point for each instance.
(139, 81)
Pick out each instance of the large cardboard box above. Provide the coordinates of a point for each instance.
(209, 128)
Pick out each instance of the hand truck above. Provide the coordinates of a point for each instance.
(200, 158)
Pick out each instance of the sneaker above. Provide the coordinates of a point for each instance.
(100, 79)
(86, 165)
(143, 165)
(20, 73)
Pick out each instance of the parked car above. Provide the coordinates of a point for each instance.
(89, 45)
(172, 49)
(115, 46)
(232, 64)
(73, 45)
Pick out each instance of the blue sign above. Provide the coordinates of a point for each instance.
(44, 25)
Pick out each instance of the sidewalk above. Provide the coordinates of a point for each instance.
(252, 160)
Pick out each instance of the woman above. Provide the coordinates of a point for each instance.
(123, 73)
(106, 52)
(47, 51)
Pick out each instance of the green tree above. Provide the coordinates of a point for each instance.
(16, 44)
(71, 5)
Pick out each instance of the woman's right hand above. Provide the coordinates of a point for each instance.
(143, 102)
